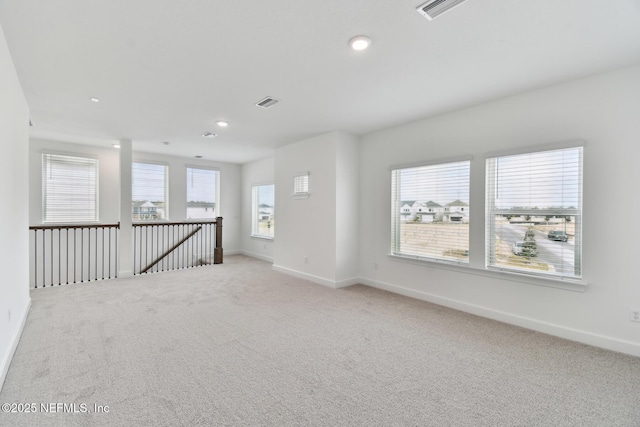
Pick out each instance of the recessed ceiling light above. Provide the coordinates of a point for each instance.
(359, 42)
(222, 123)
(198, 157)
(116, 145)
(209, 135)
(94, 99)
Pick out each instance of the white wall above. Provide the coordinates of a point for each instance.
(14, 209)
(347, 211)
(602, 110)
(306, 227)
(312, 233)
(259, 172)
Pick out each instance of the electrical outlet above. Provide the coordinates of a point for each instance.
(306, 260)
(264, 246)
(375, 265)
(634, 315)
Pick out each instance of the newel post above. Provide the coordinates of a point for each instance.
(217, 252)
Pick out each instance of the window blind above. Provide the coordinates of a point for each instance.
(263, 219)
(430, 212)
(149, 191)
(301, 184)
(70, 188)
(534, 212)
(202, 193)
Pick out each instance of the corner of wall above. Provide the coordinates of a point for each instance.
(13, 343)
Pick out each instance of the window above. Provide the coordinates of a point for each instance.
(70, 188)
(202, 192)
(263, 223)
(149, 191)
(534, 212)
(301, 185)
(430, 212)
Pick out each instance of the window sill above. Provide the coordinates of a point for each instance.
(574, 285)
(255, 236)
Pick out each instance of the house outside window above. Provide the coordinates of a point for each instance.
(263, 213)
(427, 220)
(149, 191)
(69, 188)
(203, 188)
(534, 213)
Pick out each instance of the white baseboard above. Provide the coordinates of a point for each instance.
(347, 282)
(257, 256)
(596, 340)
(315, 279)
(13, 344)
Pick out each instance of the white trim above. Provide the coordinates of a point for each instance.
(317, 279)
(141, 159)
(259, 237)
(572, 143)
(305, 276)
(13, 345)
(257, 256)
(211, 168)
(597, 340)
(502, 274)
(348, 282)
(431, 162)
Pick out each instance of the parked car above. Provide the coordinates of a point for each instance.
(524, 248)
(560, 236)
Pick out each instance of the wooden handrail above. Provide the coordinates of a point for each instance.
(63, 226)
(151, 223)
(173, 248)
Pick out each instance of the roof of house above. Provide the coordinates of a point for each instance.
(432, 204)
(144, 204)
(457, 202)
(201, 204)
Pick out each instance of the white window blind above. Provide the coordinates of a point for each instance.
(430, 212)
(263, 223)
(202, 191)
(301, 184)
(70, 188)
(149, 191)
(534, 212)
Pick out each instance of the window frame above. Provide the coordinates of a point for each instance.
(255, 207)
(396, 220)
(577, 213)
(301, 182)
(96, 163)
(216, 191)
(166, 190)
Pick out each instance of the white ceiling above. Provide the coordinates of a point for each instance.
(167, 70)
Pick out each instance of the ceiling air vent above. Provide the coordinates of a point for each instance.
(267, 102)
(434, 8)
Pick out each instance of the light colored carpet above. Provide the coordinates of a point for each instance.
(240, 344)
